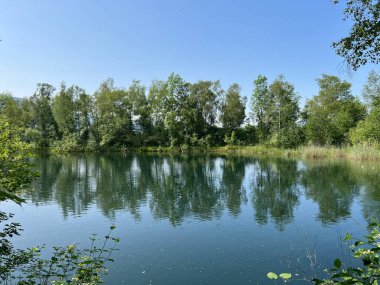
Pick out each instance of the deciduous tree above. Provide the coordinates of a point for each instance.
(362, 44)
(233, 109)
(333, 112)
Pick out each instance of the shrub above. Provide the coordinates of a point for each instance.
(367, 251)
(67, 265)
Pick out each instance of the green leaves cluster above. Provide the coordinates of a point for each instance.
(275, 110)
(362, 45)
(233, 108)
(367, 132)
(15, 169)
(66, 265)
(367, 251)
(332, 113)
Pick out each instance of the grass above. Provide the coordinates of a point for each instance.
(358, 153)
(350, 152)
(308, 152)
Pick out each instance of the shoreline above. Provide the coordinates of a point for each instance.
(362, 153)
(357, 153)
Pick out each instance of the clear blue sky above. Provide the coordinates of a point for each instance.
(84, 42)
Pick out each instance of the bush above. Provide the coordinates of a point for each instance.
(67, 265)
(367, 251)
(368, 130)
(67, 144)
(230, 140)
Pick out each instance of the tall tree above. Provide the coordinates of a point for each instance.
(371, 90)
(43, 120)
(140, 110)
(64, 110)
(26, 113)
(112, 117)
(333, 112)
(168, 102)
(261, 107)
(233, 109)
(71, 109)
(284, 114)
(202, 107)
(84, 108)
(9, 109)
(157, 104)
(177, 92)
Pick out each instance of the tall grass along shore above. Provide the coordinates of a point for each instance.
(306, 152)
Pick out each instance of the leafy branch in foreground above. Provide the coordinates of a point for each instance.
(15, 169)
(67, 265)
(362, 45)
(366, 250)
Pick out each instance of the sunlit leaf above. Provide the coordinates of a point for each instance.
(272, 275)
(338, 263)
(286, 275)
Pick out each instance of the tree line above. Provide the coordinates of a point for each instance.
(177, 113)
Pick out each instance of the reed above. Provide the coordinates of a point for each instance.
(367, 153)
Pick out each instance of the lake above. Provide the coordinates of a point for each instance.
(202, 219)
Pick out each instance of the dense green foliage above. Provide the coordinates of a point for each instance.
(332, 113)
(362, 45)
(15, 170)
(184, 115)
(367, 251)
(368, 130)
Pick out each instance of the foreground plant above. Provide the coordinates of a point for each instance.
(366, 250)
(15, 169)
(67, 265)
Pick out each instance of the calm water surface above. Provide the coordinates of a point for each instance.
(202, 219)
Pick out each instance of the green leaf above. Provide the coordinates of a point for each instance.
(286, 275)
(272, 275)
(338, 263)
(358, 243)
(348, 237)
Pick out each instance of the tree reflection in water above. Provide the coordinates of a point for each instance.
(205, 187)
